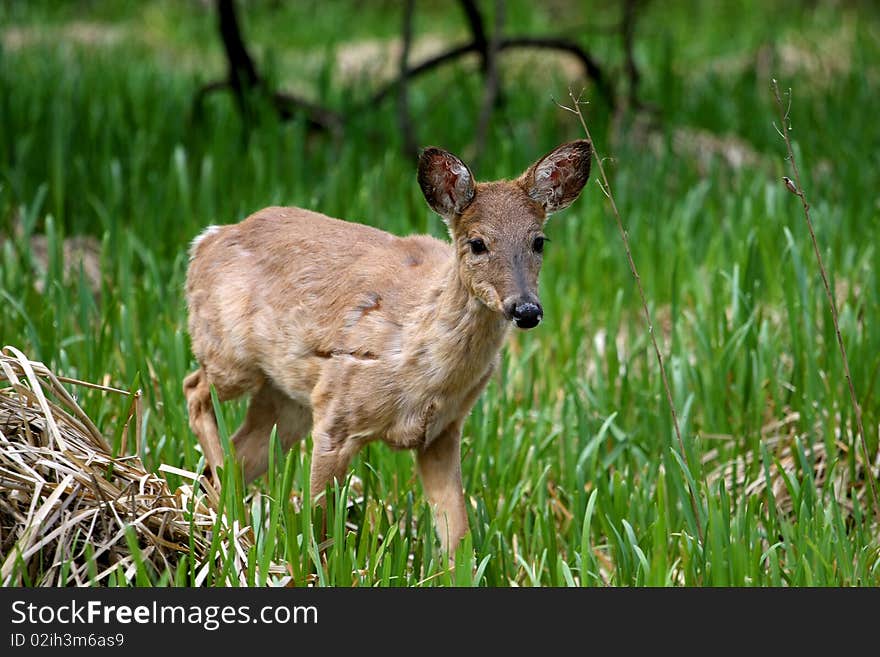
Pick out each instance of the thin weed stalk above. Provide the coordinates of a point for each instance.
(606, 189)
(797, 188)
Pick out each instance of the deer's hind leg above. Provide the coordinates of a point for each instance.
(197, 391)
(269, 407)
(202, 421)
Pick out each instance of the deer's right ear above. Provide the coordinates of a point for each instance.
(446, 182)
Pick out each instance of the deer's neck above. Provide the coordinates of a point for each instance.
(455, 337)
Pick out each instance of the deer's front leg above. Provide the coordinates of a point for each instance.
(440, 469)
(331, 454)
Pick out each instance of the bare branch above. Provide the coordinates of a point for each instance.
(243, 79)
(592, 70)
(478, 32)
(241, 72)
(490, 92)
(410, 145)
(288, 105)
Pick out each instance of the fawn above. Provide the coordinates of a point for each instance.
(362, 335)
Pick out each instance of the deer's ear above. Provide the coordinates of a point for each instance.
(446, 182)
(557, 179)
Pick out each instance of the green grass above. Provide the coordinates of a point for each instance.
(570, 464)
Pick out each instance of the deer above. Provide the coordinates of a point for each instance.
(357, 335)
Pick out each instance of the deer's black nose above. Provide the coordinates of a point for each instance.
(527, 315)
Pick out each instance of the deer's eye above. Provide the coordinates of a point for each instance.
(538, 244)
(478, 246)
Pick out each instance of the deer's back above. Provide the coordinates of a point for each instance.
(286, 289)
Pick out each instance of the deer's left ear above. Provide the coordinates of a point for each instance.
(557, 179)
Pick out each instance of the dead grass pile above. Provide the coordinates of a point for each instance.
(791, 460)
(71, 513)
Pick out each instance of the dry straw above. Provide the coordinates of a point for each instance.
(791, 457)
(67, 504)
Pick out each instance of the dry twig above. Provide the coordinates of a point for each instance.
(606, 189)
(797, 188)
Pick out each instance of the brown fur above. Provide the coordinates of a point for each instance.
(361, 335)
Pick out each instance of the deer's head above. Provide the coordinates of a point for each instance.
(497, 227)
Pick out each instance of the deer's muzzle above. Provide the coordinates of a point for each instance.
(526, 314)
